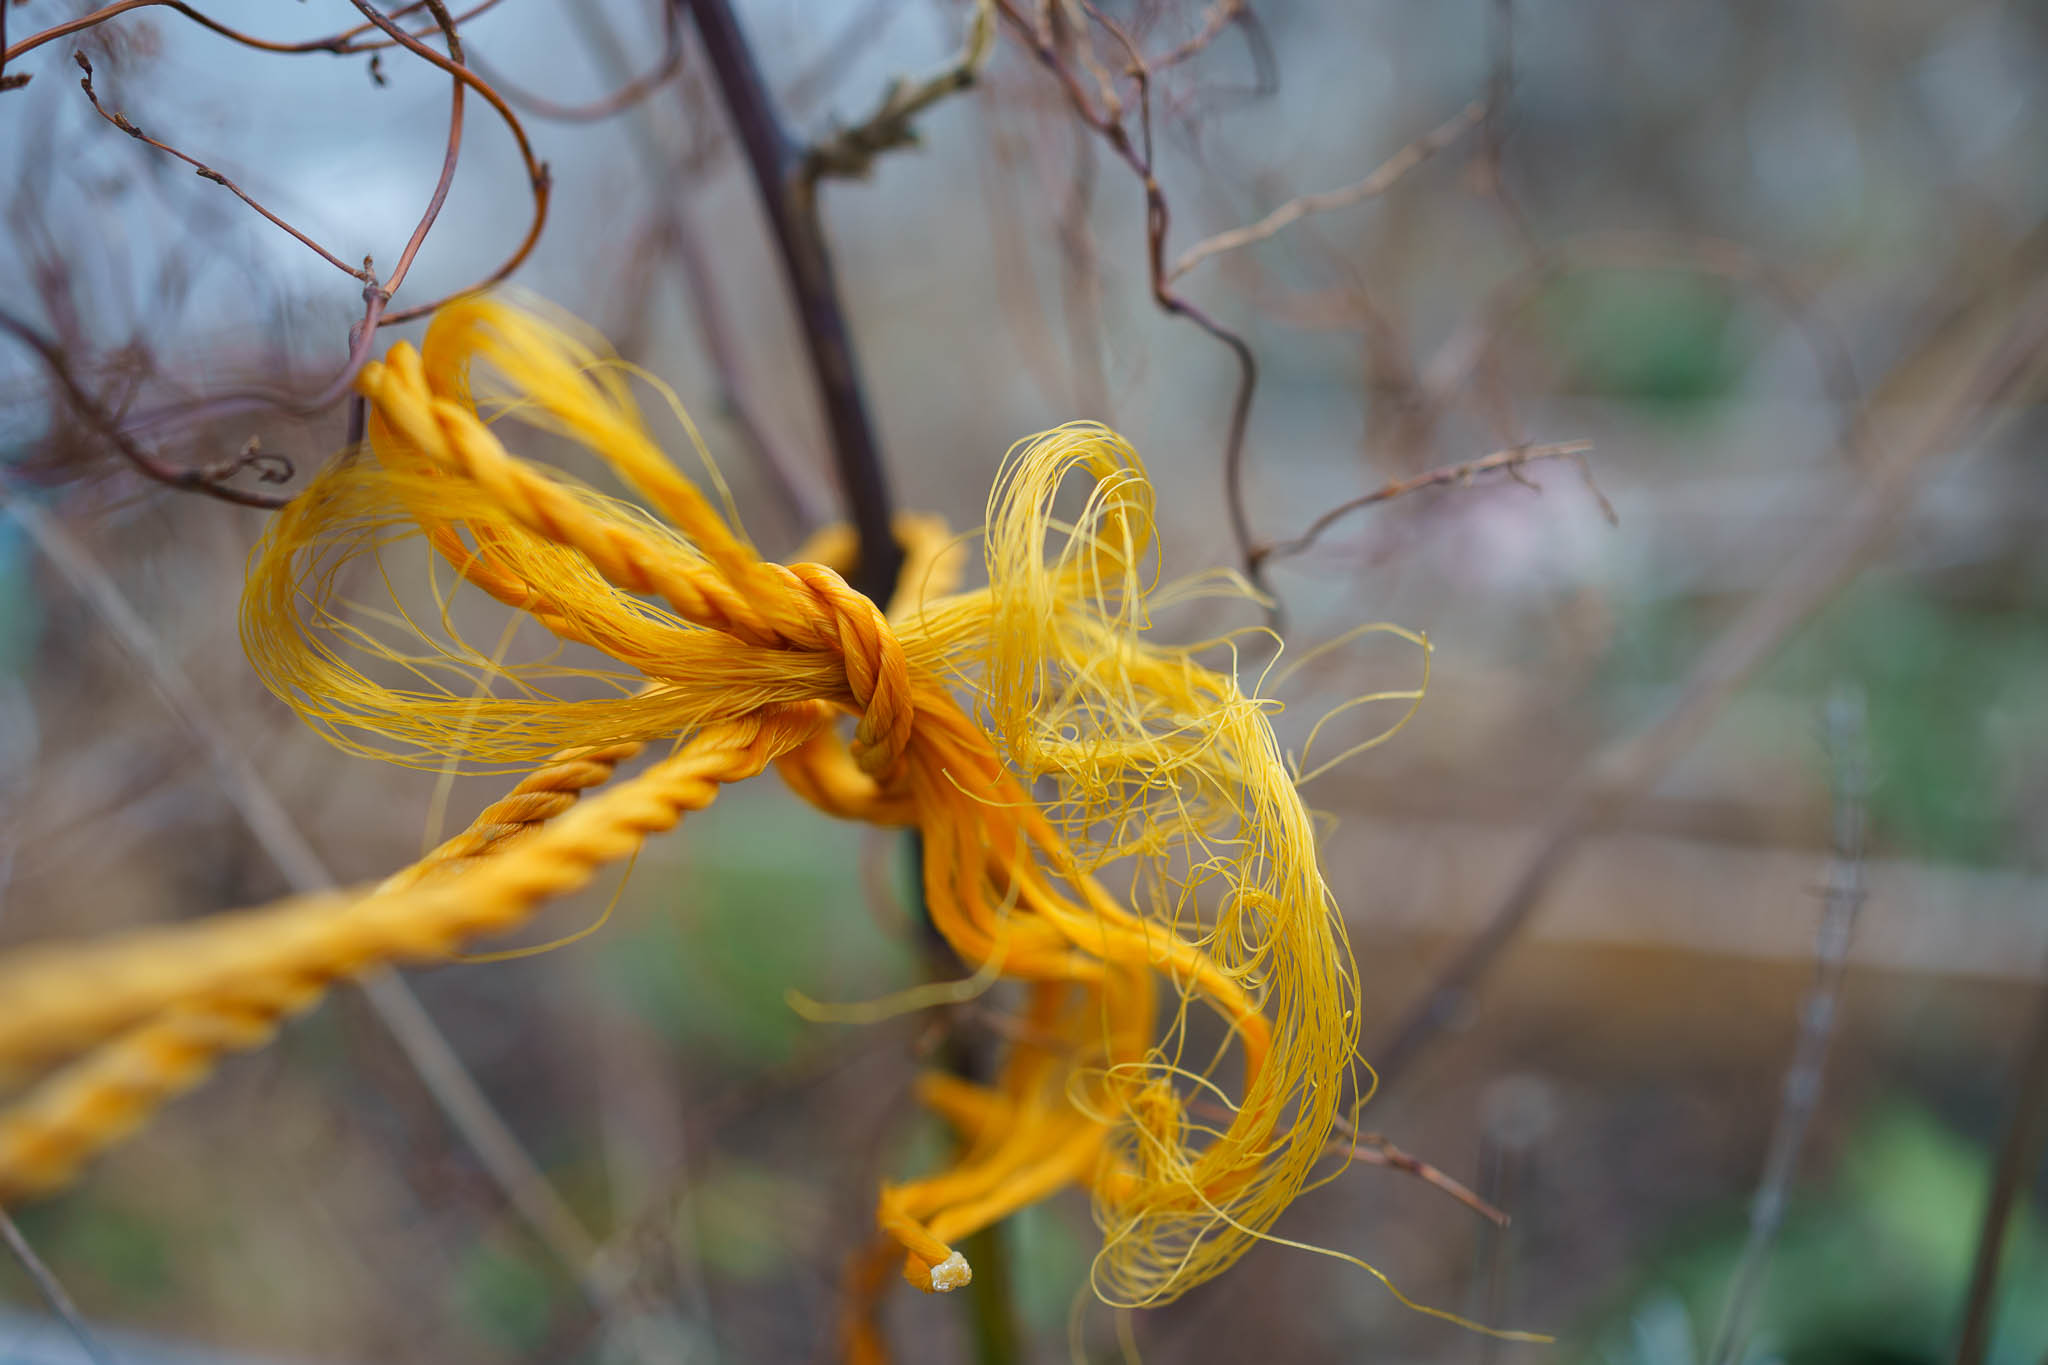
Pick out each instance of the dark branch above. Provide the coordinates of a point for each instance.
(792, 212)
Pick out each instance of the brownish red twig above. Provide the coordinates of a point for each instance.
(1107, 121)
(620, 100)
(1507, 460)
(210, 479)
(206, 172)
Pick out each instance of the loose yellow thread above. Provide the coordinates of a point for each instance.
(1032, 730)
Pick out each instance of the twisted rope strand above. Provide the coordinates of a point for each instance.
(232, 996)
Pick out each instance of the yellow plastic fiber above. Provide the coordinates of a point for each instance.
(1105, 819)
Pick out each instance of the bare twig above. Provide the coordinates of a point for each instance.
(2018, 1157)
(1106, 120)
(1801, 1095)
(1375, 1150)
(468, 1109)
(1294, 210)
(210, 480)
(49, 1286)
(340, 44)
(1509, 460)
(448, 159)
(1619, 772)
(1221, 15)
(849, 153)
(206, 172)
(630, 92)
(539, 182)
(125, 436)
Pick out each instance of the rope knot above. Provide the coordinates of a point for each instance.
(877, 672)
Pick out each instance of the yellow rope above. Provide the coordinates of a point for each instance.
(215, 992)
(96, 1102)
(1033, 731)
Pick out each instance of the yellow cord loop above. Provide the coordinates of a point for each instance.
(1032, 731)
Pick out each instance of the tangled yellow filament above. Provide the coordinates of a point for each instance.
(1032, 730)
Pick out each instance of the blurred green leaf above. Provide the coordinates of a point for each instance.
(1663, 340)
(504, 1298)
(86, 1236)
(771, 899)
(750, 1223)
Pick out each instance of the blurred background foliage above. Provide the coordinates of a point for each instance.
(1741, 249)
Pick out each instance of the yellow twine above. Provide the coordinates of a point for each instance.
(1032, 730)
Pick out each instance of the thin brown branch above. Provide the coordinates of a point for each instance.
(539, 181)
(1384, 178)
(625, 97)
(206, 172)
(448, 159)
(340, 44)
(849, 153)
(210, 480)
(1508, 460)
(386, 44)
(1827, 561)
(1107, 122)
(1372, 1149)
(1220, 16)
(1376, 1150)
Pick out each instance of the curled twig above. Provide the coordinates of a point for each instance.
(1509, 460)
(538, 178)
(210, 480)
(1379, 182)
(206, 172)
(341, 44)
(1106, 121)
(620, 100)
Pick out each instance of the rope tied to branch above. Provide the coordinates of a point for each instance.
(1033, 730)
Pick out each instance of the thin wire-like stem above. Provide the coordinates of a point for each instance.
(1508, 460)
(206, 172)
(340, 44)
(630, 92)
(2018, 1155)
(210, 480)
(49, 1286)
(539, 182)
(448, 158)
(1801, 1093)
(1294, 210)
(1106, 121)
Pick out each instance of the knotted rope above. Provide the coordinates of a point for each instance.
(1031, 730)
